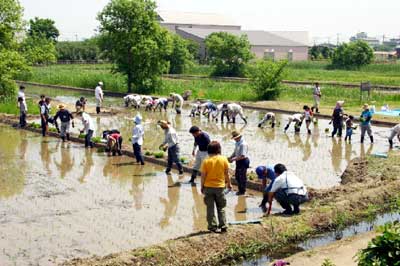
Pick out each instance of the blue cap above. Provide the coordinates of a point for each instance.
(260, 171)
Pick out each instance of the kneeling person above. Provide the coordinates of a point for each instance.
(288, 190)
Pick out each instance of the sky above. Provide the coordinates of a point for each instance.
(325, 20)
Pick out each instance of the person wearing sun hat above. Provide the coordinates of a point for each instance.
(137, 139)
(365, 119)
(240, 156)
(66, 118)
(264, 173)
(171, 144)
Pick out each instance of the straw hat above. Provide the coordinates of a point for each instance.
(163, 123)
(100, 83)
(365, 106)
(61, 106)
(236, 135)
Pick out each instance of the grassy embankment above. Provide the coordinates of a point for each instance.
(10, 107)
(86, 76)
(382, 74)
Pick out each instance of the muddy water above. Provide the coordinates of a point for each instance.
(317, 159)
(59, 201)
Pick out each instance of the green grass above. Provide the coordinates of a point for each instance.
(10, 107)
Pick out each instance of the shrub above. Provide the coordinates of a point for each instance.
(327, 262)
(180, 57)
(228, 53)
(266, 77)
(383, 249)
(159, 154)
(352, 56)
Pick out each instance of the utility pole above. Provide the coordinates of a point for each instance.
(337, 40)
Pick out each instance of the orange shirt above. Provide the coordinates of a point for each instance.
(214, 168)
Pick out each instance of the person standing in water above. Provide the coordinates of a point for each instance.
(23, 110)
(137, 139)
(365, 119)
(98, 93)
(337, 119)
(201, 140)
(171, 144)
(66, 119)
(88, 128)
(45, 115)
(214, 179)
(240, 156)
(317, 98)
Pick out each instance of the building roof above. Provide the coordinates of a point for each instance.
(258, 38)
(175, 17)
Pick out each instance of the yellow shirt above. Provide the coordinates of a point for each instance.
(214, 168)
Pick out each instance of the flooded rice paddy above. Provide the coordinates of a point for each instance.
(317, 159)
(59, 201)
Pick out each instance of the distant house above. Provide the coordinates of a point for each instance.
(363, 36)
(290, 45)
(175, 20)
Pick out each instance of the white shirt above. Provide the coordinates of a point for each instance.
(22, 95)
(43, 109)
(297, 117)
(137, 134)
(178, 100)
(98, 93)
(87, 122)
(289, 182)
(235, 108)
(317, 91)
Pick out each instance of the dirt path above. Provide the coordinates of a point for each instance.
(340, 253)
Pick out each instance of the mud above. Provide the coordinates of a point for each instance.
(60, 201)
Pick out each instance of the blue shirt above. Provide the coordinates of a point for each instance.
(366, 116)
(202, 141)
(271, 176)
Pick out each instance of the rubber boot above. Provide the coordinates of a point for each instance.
(391, 143)
(371, 138)
(68, 136)
(272, 125)
(63, 139)
(362, 140)
(245, 120)
(193, 177)
(317, 110)
(312, 109)
(97, 110)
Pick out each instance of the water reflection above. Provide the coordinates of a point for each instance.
(67, 161)
(171, 203)
(87, 164)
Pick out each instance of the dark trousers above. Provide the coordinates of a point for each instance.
(22, 120)
(88, 139)
(44, 125)
(137, 151)
(337, 128)
(173, 157)
(223, 114)
(287, 201)
(241, 174)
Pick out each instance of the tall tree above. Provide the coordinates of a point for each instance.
(132, 38)
(11, 62)
(228, 53)
(180, 57)
(43, 27)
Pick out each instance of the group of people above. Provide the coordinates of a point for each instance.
(211, 110)
(153, 104)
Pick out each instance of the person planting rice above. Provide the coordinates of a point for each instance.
(209, 108)
(98, 94)
(196, 109)
(88, 128)
(235, 109)
(297, 119)
(270, 116)
(317, 98)
(365, 119)
(288, 190)
(114, 142)
(337, 119)
(161, 103)
(80, 105)
(133, 100)
(177, 102)
(395, 131)
(66, 118)
(349, 127)
(214, 179)
(137, 139)
(171, 144)
(308, 115)
(264, 173)
(240, 156)
(201, 140)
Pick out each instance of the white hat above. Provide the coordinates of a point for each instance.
(138, 119)
(101, 83)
